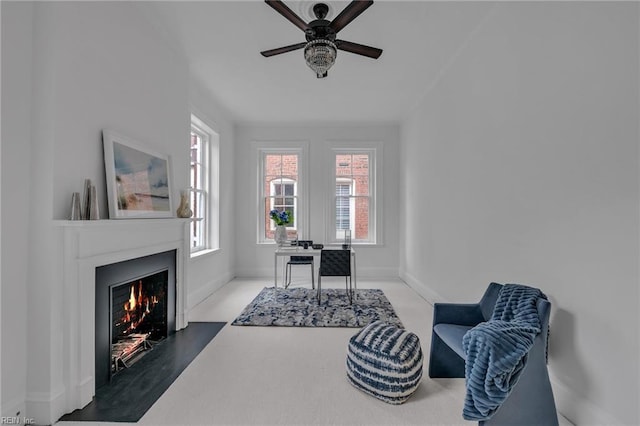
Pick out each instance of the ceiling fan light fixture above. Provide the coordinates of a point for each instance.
(320, 55)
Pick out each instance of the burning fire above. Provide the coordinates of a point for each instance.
(136, 309)
(132, 302)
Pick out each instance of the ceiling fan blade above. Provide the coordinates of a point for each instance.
(284, 49)
(358, 49)
(284, 10)
(349, 13)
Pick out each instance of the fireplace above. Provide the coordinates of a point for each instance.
(86, 246)
(135, 309)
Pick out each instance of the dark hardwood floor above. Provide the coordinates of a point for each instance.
(134, 390)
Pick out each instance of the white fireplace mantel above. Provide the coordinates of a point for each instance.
(87, 245)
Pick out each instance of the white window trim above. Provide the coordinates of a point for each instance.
(205, 168)
(375, 151)
(212, 187)
(262, 148)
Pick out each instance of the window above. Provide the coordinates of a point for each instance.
(344, 205)
(203, 186)
(280, 189)
(282, 185)
(283, 197)
(354, 195)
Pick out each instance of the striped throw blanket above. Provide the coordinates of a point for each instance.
(497, 350)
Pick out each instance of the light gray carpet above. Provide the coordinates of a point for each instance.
(256, 376)
(298, 307)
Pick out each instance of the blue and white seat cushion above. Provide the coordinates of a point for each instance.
(385, 361)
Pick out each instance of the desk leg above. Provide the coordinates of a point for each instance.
(275, 271)
(355, 279)
(284, 266)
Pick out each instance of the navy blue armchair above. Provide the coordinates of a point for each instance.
(531, 399)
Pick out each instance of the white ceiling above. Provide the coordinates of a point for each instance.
(223, 40)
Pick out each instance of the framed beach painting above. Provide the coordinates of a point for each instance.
(138, 179)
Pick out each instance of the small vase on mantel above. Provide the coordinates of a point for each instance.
(280, 235)
(184, 211)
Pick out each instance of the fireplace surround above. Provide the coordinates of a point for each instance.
(85, 247)
(135, 308)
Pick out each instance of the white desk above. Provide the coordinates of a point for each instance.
(299, 251)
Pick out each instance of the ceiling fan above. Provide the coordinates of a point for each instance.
(321, 46)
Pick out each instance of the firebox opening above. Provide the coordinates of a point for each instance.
(135, 306)
(138, 318)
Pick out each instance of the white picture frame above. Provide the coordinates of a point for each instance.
(138, 179)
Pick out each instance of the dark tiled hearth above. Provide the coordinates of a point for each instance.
(133, 391)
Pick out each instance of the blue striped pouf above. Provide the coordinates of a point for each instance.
(385, 361)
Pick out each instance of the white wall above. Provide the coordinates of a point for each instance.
(16, 151)
(95, 65)
(112, 71)
(209, 272)
(521, 165)
(254, 259)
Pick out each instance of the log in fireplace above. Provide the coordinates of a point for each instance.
(138, 318)
(135, 308)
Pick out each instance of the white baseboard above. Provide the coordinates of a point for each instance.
(253, 272)
(45, 408)
(14, 407)
(577, 409)
(362, 273)
(198, 295)
(373, 272)
(421, 288)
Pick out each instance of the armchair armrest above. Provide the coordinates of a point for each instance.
(469, 314)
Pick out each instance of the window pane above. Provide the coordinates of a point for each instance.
(343, 189)
(197, 233)
(343, 165)
(195, 175)
(361, 184)
(268, 223)
(290, 166)
(343, 213)
(288, 189)
(198, 224)
(198, 204)
(360, 164)
(274, 164)
(361, 218)
(196, 161)
(280, 189)
(352, 196)
(198, 191)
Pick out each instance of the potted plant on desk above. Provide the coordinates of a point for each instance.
(282, 219)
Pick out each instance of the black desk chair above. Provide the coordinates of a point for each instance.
(299, 260)
(335, 263)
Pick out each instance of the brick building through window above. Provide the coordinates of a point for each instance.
(352, 196)
(281, 190)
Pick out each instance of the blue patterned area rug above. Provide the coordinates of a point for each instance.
(298, 307)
